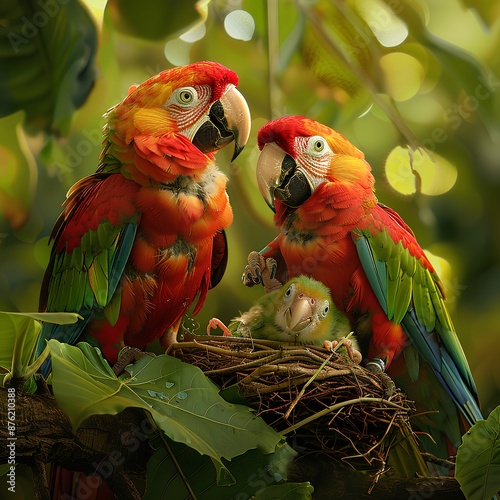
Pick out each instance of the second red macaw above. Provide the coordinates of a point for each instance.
(333, 229)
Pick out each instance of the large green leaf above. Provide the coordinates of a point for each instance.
(18, 337)
(153, 20)
(177, 471)
(183, 402)
(478, 459)
(47, 50)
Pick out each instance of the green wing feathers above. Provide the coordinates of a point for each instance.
(87, 277)
(397, 277)
(411, 293)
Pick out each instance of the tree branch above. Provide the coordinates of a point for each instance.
(113, 446)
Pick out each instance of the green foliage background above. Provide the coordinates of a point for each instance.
(384, 73)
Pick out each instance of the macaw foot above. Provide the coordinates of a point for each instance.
(215, 323)
(333, 345)
(260, 270)
(377, 366)
(129, 355)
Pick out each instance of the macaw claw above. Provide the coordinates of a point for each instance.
(333, 345)
(261, 270)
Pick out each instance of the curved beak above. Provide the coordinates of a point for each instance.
(269, 171)
(237, 117)
(298, 315)
(279, 176)
(228, 120)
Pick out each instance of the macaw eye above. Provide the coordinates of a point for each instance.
(317, 145)
(186, 96)
(289, 291)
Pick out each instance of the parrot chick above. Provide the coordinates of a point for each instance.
(300, 312)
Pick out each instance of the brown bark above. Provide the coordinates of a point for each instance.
(113, 446)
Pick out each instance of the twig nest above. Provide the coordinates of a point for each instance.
(320, 399)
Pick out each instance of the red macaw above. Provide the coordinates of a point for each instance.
(332, 228)
(142, 237)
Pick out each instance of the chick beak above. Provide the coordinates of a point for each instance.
(298, 315)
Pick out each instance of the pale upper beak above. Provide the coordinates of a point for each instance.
(237, 116)
(269, 171)
(298, 315)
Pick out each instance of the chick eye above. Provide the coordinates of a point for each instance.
(326, 308)
(186, 96)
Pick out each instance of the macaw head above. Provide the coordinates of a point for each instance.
(299, 154)
(184, 114)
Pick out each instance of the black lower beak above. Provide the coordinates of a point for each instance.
(214, 133)
(294, 187)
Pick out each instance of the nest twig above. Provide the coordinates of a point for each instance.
(318, 398)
